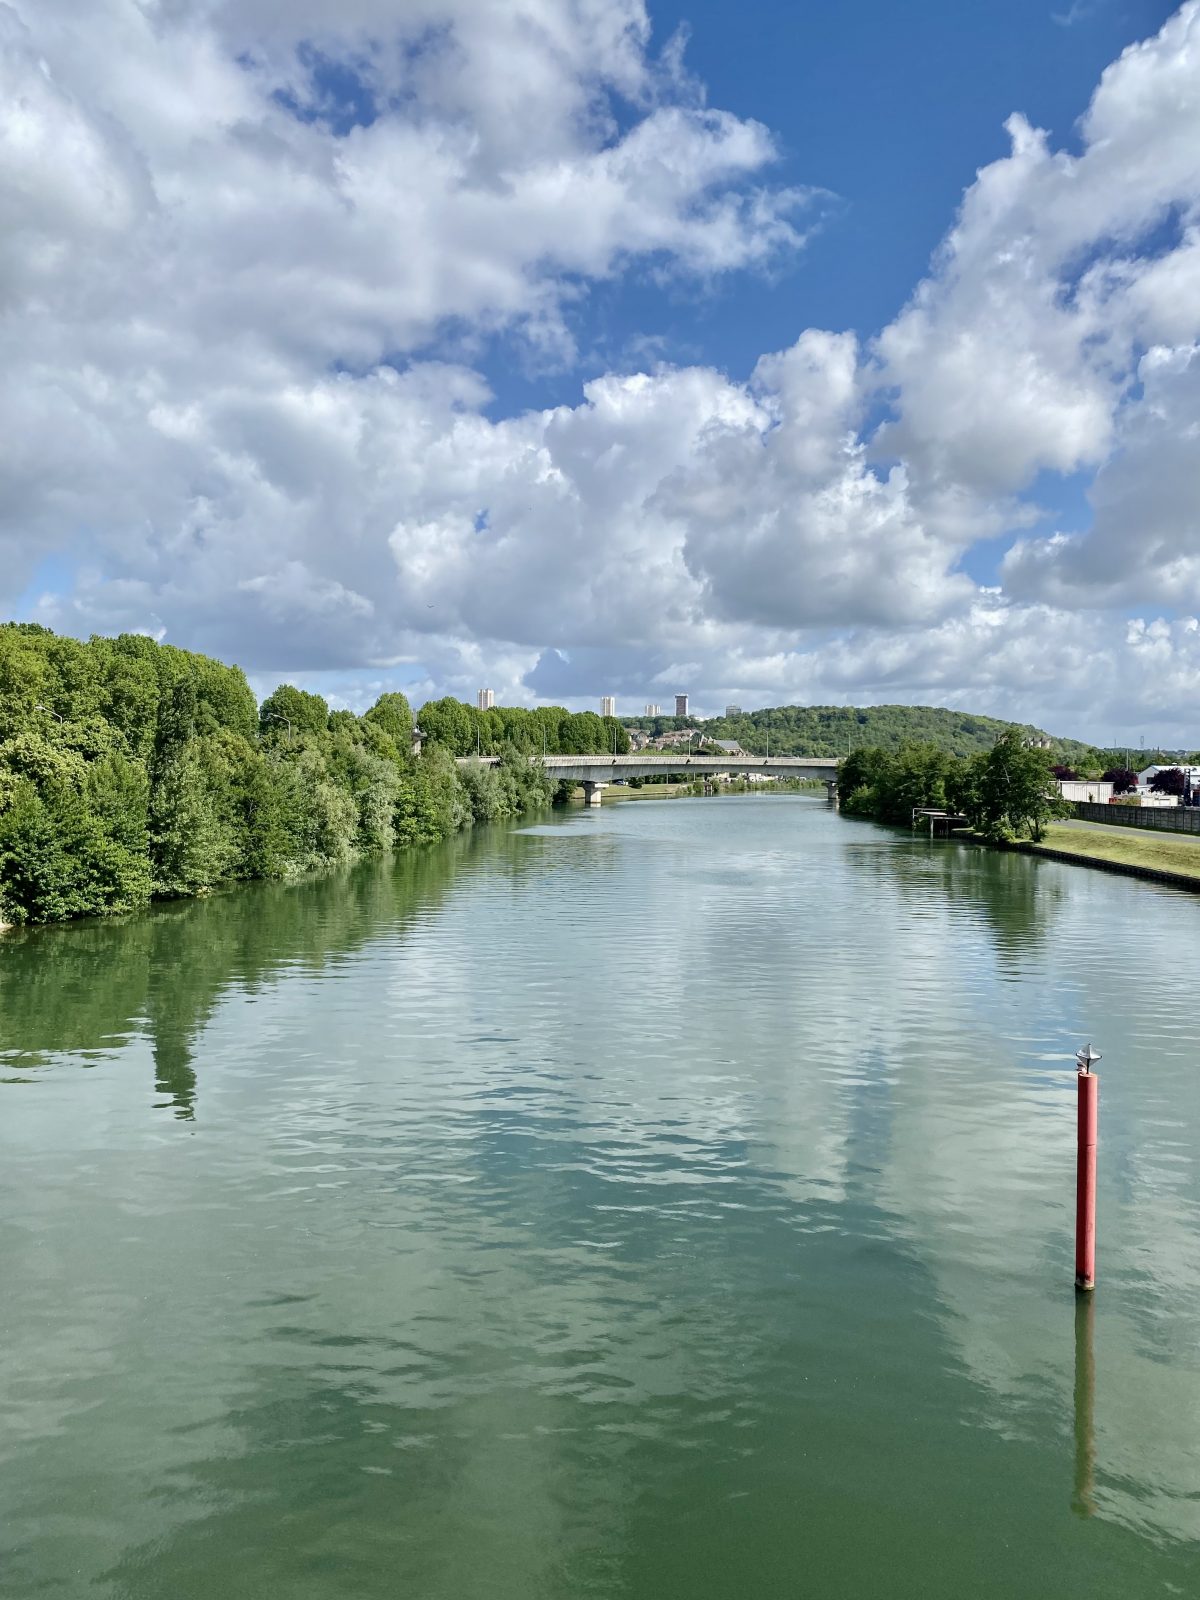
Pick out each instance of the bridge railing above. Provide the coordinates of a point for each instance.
(599, 766)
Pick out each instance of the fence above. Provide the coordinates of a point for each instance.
(1165, 819)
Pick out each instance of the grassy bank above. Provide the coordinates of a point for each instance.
(664, 791)
(651, 791)
(1134, 851)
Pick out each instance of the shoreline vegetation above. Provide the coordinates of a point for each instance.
(1010, 800)
(132, 771)
(1006, 793)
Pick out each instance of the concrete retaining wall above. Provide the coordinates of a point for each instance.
(1163, 819)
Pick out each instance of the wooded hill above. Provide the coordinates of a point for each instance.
(834, 730)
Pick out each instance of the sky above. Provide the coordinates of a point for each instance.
(774, 353)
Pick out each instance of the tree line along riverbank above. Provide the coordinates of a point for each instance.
(1006, 792)
(132, 771)
(1008, 796)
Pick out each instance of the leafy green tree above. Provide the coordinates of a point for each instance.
(393, 714)
(24, 678)
(72, 835)
(267, 798)
(1011, 792)
(433, 803)
(192, 845)
(293, 712)
(484, 790)
(447, 722)
(131, 689)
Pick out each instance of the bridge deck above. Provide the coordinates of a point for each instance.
(604, 769)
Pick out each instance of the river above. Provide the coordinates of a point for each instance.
(674, 1199)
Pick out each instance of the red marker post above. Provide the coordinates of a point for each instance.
(1085, 1179)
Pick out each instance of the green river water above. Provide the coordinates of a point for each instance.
(669, 1200)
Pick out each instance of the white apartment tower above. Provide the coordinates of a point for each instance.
(651, 711)
(608, 705)
(487, 699)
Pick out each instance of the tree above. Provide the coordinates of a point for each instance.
(1065, 774)
(292, 711)
(72, 834)
(1012, 791)
(1170, 780)
(448, 722)
(393, 714)
(890, 785)
(192, 846)
(1123, 779)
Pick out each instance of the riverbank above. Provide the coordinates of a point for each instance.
(666, 791)
(651, 791)
(1159, 858)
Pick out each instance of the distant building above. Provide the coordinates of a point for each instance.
(733, 711)
(1148, 774)
(608, 705)
(730, 747)
(681, 709)
(1098, 791)
(417, 736)
(487, 699)
(651, 711)
(1191, 778)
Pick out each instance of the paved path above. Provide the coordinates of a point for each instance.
(1126, 832)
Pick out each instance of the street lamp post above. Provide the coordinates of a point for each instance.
(279, 717)
(50, 709)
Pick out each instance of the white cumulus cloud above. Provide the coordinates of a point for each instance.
(251, 253)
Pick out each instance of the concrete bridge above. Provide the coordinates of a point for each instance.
(594, 772)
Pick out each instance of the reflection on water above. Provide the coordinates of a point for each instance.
(674, 1199)
(84, 990)
(1084, 1501)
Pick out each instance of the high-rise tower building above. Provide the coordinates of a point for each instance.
(651, 711)
(681, 709)
(487, 699)
(608, 705)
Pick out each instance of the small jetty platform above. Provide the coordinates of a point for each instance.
(941, 824)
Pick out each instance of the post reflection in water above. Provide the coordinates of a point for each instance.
(603, 1207)
(1084, 1500)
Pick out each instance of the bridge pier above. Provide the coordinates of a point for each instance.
(591, 792)
(831, 786)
